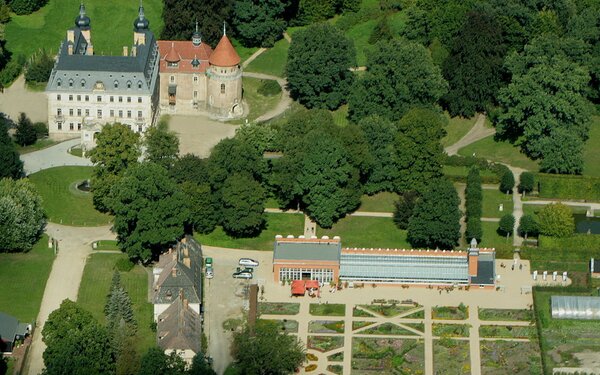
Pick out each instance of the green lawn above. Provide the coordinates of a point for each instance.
(376, 232)
(456, 129)
(243, 52)
(340, 116)
(111, 22)
(104, 245)
(491, 238)
(491, 202)
(62, 201)
(381, 202)
(503, 152)
(360, 35)
(460, 172)
(283, 224)
(95, 285)
(23, 278)
(272, 61)
(40, 144)
(259, 104)
(591, 151)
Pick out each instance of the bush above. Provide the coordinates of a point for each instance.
(507, 180)
(124, 265)
(41, 129)
(528, 226)
(556, 220)
(39, 67)
(526, 182)
(506, 225)
(11, 71)
(568, 187)
(269, 87)
(26, 133)
(26, 6)
(474, 229)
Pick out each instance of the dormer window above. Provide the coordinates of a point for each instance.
(172, 64)
(83, 83)
(139, 84)
(58, 82)
(128, 84)
(116, 83)
(70, 83)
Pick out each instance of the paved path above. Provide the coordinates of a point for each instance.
(283, 104)
(54, 156)
(65, 277)
(17, 98)
(477, 132)
(254, 56)
(517, 205)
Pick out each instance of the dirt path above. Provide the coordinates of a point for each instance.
(254, 56)
(65, 277)
(477, 132)
(16, 99)
(283, 104)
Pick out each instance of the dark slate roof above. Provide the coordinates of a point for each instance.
(179, 327)
(307, 250)
(9, 326)
(97, 63)
(485, 272)
(595, 265)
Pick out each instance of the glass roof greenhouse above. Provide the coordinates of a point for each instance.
(575, 307)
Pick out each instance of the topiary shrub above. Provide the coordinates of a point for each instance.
(124, 265)
(310, 368)
(269, 87)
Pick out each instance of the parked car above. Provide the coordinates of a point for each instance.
(247, 262)
(208, 262)
(209, 273)
(242, 275)
(244, 269)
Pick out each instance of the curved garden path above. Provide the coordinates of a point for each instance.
(284, 102)
(54, 156)
(477, 132)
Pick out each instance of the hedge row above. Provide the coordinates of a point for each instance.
(497, 170)
(581, 243)
(568, 187)
(473, 205)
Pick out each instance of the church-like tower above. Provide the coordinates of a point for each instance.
(224, 84)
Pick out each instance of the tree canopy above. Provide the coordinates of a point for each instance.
(243, 201)
(318, 65)
(400, 75)
(556, 220)
(259, 23)
(162, 145)
(22, 217)
(10, 161)
(26, 134)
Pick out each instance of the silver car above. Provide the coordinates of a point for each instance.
(247, 262)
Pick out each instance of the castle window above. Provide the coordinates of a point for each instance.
(195, 94)
(195, 78)
(128, 84)
(78, 111)
(87, 98)
(222, 88)
(120, 99)
(172, 64)
(129, 99)
(78, 126)
(139, 84)
(78, 98)
(120, 114)
(83, 83)
(112, 99)
(59, 125)
(71, 126)
(172, 79)
(112, 113)
(139, 115)
(58, 82)
(70, 83)
(70, 98)
(58, 112)
(87, 112)
(99, 113)
(70, 111)
(98, 98)
(58, 97)
(139, 99)
(139, 128)
(116, 84)
(128, 114)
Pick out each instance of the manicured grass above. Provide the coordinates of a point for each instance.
(327, 309)
(290, 326)
(397, 22)
(491, 238)
(283, 224)
(456, 129)
(356, 231)
(95, 284)
(505, 314)
(40, 144)
(451, 357)
(340, 116)
(272, 61)
(243, 52)
(259, 104)
(459, 173)
(106, 245)
(492, 199)
(591, 151)
(278, 308)
(360, 35)
(503, 152)
(381, 202)
(111, 22)
(65, 204)
(23, 278)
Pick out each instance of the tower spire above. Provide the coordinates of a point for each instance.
(224, 31)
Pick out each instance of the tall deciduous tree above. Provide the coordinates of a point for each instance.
(418, 151)
(232, 156)
(435, 222)
(318, 65)
(26, 134)
(404, 208)
(150, 211)
(203, 206)
(243, 201)
(474, 67)
(265, 349)
(506, 225)
(380, 134)
(162, 145)
(76, 343)
(179, 21)
(117, 148)
(526, 182)
(528, 226)
(507, 181)
(259, 23)
(400, 75)
(556, 220)
(22, 217)
(311, 11)
(155, 362)
(10, 162)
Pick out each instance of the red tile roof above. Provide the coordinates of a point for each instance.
(224, 54)
(185, 51)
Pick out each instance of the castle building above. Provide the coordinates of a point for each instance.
(86, 91)
(194, 78)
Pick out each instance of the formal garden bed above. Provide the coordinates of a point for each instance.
(450, 330)
(517, 332)
(451, 357)
(326, 326)
(387, 356)
(388, 310)
(327, 309)
(278, 308)
(500, 357)
(506, 314)
(337, 357)
(287, 325)
(325, 343)
(420, 314)
(388, 329)
(460, 312)
(336, 369)
(358, 312)
(360, 324)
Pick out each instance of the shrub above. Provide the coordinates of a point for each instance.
(528, 226)
(474, 229)
(41, 129)
(403, 208)
(11, 71)
(507, 181)
(526, 182)
(124, 265)
(556, 220)
(473, 205)
(26, 133)
(269, 87)
(39, 67)
(26, 6)
(506, 225)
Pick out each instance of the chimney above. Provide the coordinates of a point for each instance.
(134, 51)
(187, 262)
(71, 36)
(70, 49)
(174, 272)
(473, 255)
(125, 53)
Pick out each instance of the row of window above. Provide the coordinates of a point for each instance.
(72, 126)
(98, 98)
(324, 275)
(99, 113)
(82, 83)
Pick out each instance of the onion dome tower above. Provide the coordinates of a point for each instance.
(196, 37)
(82, 21)
(141, 23)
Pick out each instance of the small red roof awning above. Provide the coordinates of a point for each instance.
(298, 287)
(312, 284)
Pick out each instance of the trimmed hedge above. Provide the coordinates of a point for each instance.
(497, 170)
(568, 187)
(579, 242)
(473, 205)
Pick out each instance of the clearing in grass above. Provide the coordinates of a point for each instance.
(492, 199)
(456, 129)
(502, 152)
(272, 61)
(369, 232)
(380, 202)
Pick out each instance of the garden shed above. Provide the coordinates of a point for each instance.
(575, 307)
